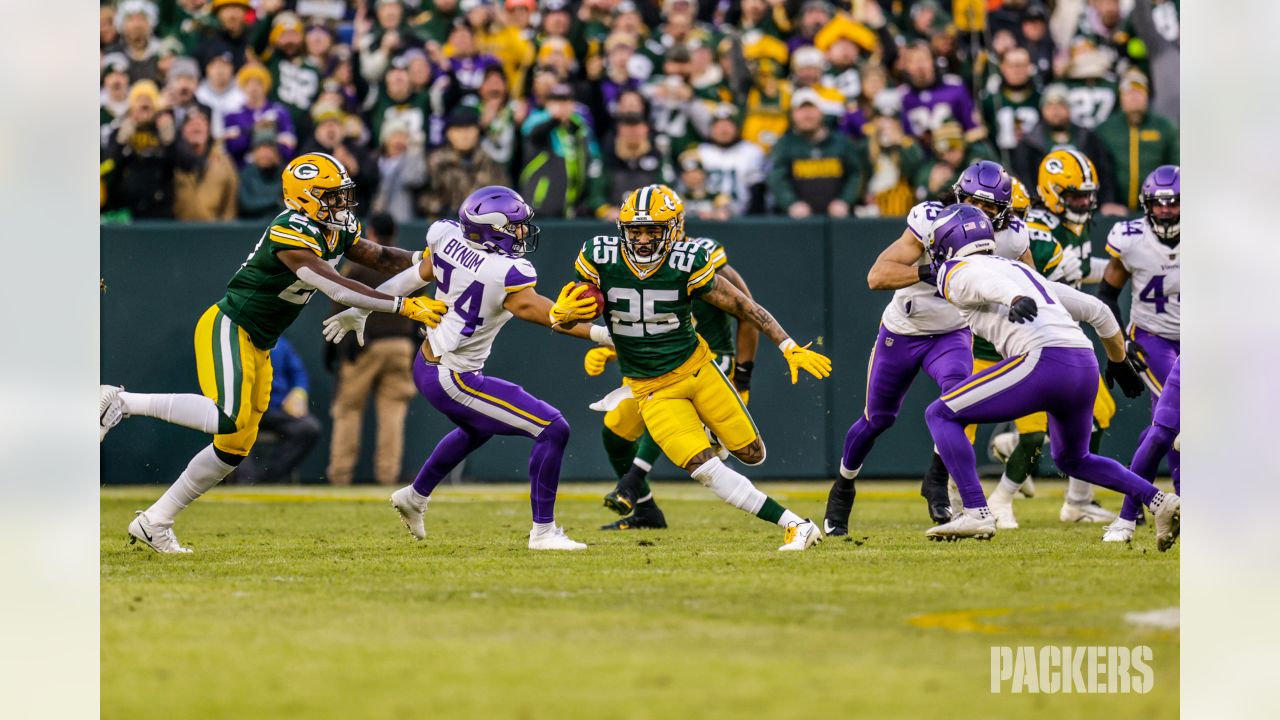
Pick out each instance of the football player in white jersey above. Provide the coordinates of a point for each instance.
(919, 331)
(480, 273)
(1147, 252)
(1049, 366)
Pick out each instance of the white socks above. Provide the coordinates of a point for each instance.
(789, 517)
(730, 486)
(544, 528)
(1079, 492)
(188, 410)
(848, 474)
(203, 472)
(642, 465)
(1006, 487)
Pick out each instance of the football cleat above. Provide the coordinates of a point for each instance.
(648, 516)
(553, 539)
(412, 510)
(110, 409)
(1001, 504)
(839, 507)
(1090, 512)
(1167, 510)
(800, 536)
(936, 496)
(976, 523)
(157, 536)
(1027, 488)
(831, 530)
(620, 500)
(1119, 531)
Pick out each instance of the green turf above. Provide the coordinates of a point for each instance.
(315, 603)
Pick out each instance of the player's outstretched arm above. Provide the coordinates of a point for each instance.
(353, 319)
(896, 266)
(529, 306)
(389, 260)
(315, 272)
(799, 357)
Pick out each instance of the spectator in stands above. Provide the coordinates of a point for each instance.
(951, 154)
(1091, 86)
(220, 92)
(1037, 40)
(814, 15)
(258, 116)
(842, 72)
(765, 114)
(319, 46)
(814, 170)
(229, 33)
(562, 157)
(295, 80)
(500, 119)
(390, 36)
(734, 167)
(699, 200)
(631, 160)
(807, 66)
(891, 160)
(289, 417)
(113, 99)
(136, 22)
(1162, 40)
(1137, 141)
(108, 35)
(205, 181)
(180, 88)
(1056, 130)
(398, 101)
(330, 137)
(402, 170)
(435, 25)
(381, 368)
(260, 184)
(1012, 107)
(140, 156)
(930, 101)
(460, 167)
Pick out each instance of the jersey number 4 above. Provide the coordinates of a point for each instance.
(648, 321)
(1154, 293)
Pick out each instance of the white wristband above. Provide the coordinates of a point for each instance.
(600, 336)
(786, 345)
(417, 257)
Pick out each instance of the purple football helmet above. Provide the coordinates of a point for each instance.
(989, 183)
(1161, 201)
(959, 231)
(498, 219)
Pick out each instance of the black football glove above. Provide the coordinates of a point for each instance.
(742, 376)
(1127, 374)
(1135, 354)
(1022, 309)
(927, 274)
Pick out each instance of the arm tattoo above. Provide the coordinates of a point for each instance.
(389, 260)
(730, 299)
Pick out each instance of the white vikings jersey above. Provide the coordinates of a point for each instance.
(1155, 269)
(733, 170)
(474, 284)
(919, 309)
(982, 286)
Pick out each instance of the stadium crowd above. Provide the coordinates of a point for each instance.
(797, 107)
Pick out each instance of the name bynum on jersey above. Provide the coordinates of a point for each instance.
(651, 319)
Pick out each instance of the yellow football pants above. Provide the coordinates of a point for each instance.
(675, 415)
(235, 374)
(1104, 408)
(625, 421)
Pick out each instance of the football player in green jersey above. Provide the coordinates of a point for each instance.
(632, 451)
(295, 257)
(650, 277)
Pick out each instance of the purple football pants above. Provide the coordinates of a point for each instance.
(1061, 382)
(482, 407)
(1157, 439)
(895, 362)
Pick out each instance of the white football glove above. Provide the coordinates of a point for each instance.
(1071, 270)
(337, 326)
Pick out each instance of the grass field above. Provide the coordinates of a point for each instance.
(315, 603)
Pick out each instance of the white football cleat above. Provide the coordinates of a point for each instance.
(1119, 531)
(1001, 504)
(1090, 512)
(977, 523)
(800, 536)
(110, 409)
(1167, 509)
(157, 536)
(553, 539)
(411, 510)
(1027, 488)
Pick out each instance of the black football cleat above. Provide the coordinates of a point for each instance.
(648, 516)
(620, 500)
(839, 506)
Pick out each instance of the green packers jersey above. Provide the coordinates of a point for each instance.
(650, 319)
(264, 296)
(713, 324)
(1046, 253)
(1044, 225)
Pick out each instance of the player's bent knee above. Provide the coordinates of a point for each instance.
(880, 422)
(557, 432)
(752, 454)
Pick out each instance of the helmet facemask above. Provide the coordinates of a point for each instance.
(336, 206)
(997, 211)
(1164, 216)
(1078, 205)
(524, 237)
(647, 252)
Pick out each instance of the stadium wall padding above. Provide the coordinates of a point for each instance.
(811, 274)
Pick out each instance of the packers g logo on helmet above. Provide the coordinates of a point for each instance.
(1068, 185)
(318, 186)
(652, 206)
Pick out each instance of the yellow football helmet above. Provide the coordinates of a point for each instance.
(1068, 185)
(318, 185)
(1021, 200)
(649, 207)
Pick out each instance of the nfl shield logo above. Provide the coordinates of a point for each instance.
(888, 342)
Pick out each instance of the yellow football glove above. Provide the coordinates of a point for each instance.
(800, 357)
(597, 358)
(570, 306)
(423, 309)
